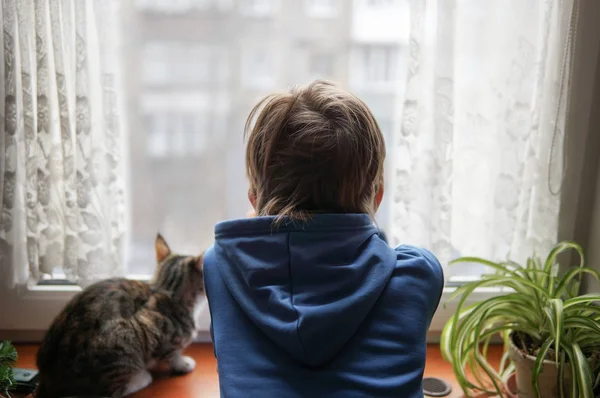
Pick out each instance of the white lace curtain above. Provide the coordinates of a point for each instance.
(61, 154)
(472, 156)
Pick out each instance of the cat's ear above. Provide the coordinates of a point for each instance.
(162, 249)
(199, 262)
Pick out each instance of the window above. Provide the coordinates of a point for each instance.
(166, 62)
(176, 134)
(259, 8)
(172, 6)
(381, 3)
(258, 68)
(458, 141)
(375, 65)
(156, 69)
(322, 8)
(220, 72)
(321, 65)
(157, 137)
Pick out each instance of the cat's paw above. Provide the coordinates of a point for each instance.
(183, 365)
(138, 382)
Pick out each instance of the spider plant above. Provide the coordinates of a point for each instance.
(541, 311)
(8, 357)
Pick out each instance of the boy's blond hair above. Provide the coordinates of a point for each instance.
(315, 149)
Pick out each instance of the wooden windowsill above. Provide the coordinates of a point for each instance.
(203, 382)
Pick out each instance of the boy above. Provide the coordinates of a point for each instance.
(307, 300)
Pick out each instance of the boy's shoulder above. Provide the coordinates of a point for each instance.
(410, 256)
(418, 278)
(413, 255)
(419, 263)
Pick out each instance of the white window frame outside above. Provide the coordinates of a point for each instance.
(259, 8)
(315, 59)
(157, 144)
(325, 9)
(363, 67)
(179, 63)
(252, 74)
(173, 6)
(380, 3)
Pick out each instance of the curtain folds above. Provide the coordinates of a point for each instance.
(61, 154)
(472, 156)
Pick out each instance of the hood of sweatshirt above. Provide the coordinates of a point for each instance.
(307, 286)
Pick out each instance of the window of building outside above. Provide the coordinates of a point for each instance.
(321, 65)
(376, 65)
(258, 68)
(174, 6)
(322, 8)
(381, 3)
(177, 62)
(259, 8)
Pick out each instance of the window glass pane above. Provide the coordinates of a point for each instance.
(191, 89)
(322, 8)
(376, 65)
(197, 67)
(258, 7)
(258, 69)
(321, 65)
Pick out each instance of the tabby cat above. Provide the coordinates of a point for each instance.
(110, 337)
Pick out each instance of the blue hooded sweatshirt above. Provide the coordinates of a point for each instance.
(319, 309)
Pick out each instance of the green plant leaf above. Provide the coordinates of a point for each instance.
(508, 371)
(535, 302)
(586, 298)
(561, 374)
(583, 373)
(446, 338)
(8, 357)
(7, 380)
(556, 318)
(563, 285)
(538, 366)
(8, 353)
(583, 324)
(482, 361)
(551, 259)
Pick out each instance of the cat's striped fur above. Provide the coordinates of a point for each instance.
(110, 337)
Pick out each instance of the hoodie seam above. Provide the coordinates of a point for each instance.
(292, 295)
(260, 231)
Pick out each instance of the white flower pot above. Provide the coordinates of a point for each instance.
(548, 379)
